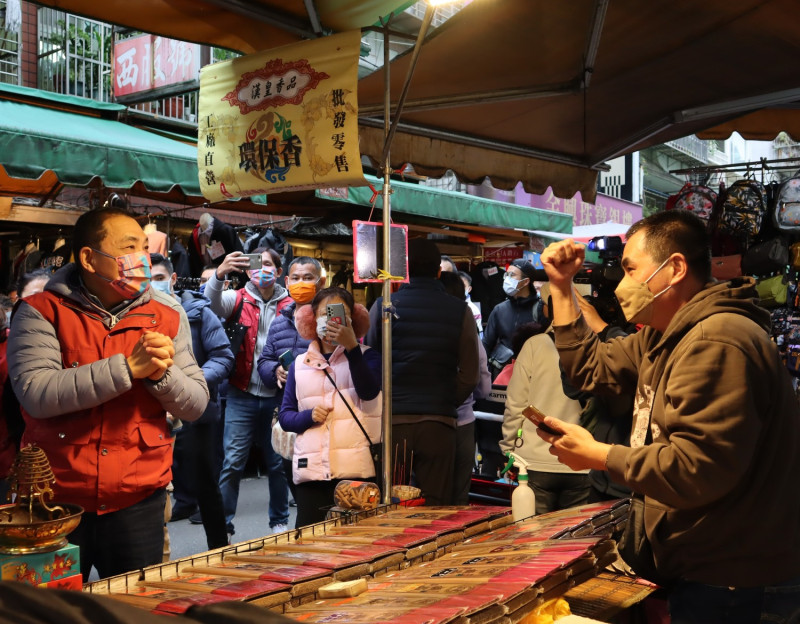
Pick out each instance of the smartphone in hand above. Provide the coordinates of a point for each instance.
(537, 418)
(286, 358)
(335, 313)
(255, 261)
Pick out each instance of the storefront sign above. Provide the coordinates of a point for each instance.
(603, 210)
(503, 255)
(146, 63)
(279, 120)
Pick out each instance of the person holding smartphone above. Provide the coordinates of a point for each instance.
(334, 383)
(284, 344)
(250, 403)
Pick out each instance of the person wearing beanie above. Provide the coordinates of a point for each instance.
(522, 306)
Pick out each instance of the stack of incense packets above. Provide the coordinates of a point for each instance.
(475, 567)
(466, 587)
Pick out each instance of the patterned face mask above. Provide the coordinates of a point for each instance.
(133, 273)
(263, 277)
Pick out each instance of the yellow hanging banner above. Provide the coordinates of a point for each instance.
(281, 120)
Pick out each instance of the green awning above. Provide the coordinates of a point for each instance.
(424, 201)
(80, 146)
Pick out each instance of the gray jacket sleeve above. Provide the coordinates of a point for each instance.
(222, 301)
(182, 391)
(43, 386)
(46, 389)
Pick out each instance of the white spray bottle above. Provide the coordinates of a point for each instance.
(523, 500)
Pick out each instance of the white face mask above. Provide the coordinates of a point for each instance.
(510, 285)
(322, 327)
(635, 298)
(162, 285)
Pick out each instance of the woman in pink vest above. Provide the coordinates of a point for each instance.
(331, 389)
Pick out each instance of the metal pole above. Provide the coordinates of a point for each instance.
(386, 317)
(389, 128)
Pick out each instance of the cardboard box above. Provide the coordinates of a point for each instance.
(41, 568)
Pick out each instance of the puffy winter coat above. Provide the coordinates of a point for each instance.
(337, 448)
(104, 433)
(282, 336)
(210, 346)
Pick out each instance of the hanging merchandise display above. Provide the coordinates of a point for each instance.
(211, 241)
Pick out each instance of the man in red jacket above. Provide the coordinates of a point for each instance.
(96, 361)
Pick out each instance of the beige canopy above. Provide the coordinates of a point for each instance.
(538, 91)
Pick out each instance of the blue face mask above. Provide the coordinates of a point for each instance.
(202, 289)
(162, 285)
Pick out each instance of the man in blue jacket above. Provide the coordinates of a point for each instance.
(304, 280)
(194, 477)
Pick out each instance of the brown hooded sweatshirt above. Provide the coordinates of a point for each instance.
(722, 474)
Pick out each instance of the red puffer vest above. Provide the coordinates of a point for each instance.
(111, 456)
(251, 312)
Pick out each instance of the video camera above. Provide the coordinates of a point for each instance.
(603, 277)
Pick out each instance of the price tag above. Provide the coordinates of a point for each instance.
(215, 250)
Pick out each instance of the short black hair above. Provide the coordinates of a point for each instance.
(27, 278)
(157, 259)
(453, 284)
(423, 258)
(333, 291)
(305, 260)
(446, 258)
(466, 277)
(677, 231)
(523, 332)
(90, 228)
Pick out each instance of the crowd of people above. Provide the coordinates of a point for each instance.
(129, 385)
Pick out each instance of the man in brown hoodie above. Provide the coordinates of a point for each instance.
(715, 441)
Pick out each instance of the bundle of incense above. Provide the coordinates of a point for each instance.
(398, 586)
(341, 568)
(384, 529)
(471, 514)
(419, 519)
(332, 561)
(470, 601)
(422, 615)
(524, 543)
(302, 579)
(507, 555)
(319, 545)
(166, 600)
(385, 605)
(413, 545)
(234, 587)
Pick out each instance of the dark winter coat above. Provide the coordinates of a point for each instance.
(211, 347)
(282, 336)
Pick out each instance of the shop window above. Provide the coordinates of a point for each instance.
(9, 51)
(74, 55)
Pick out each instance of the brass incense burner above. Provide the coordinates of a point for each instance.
(30, 524)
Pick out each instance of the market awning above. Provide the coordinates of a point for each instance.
(449, 206)
(81, 145)
(243, 26)
(580, 82)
